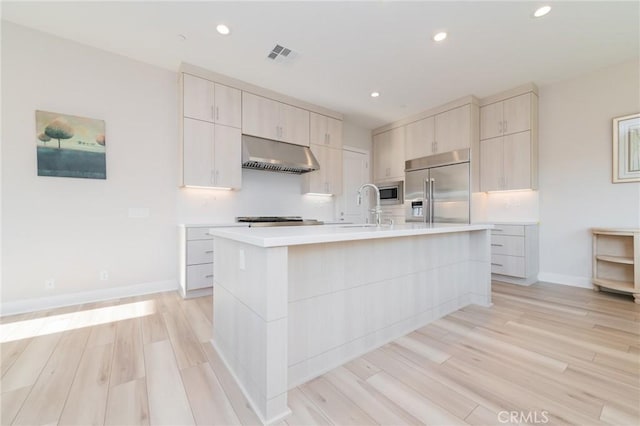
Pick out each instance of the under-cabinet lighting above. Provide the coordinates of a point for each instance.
(220, 188)
(318, 194)
(509, 190)
(541, 11)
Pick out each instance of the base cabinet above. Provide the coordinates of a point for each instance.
(514, 253)
(616, 260)
(196, 260)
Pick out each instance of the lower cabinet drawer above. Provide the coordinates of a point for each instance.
(199, 251)
(199, 276)
(508, 265)
(198, 233)
(507, 244)
(504, 229)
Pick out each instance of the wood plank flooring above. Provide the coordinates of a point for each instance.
(541, 354)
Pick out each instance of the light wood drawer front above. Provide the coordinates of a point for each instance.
(508, 265)
(201, 233)
(508, 229)
(199, 276)
(199, 251)
(507, 244)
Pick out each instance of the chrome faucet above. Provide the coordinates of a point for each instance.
(377, 211)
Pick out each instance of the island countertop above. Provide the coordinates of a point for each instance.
(279, 236)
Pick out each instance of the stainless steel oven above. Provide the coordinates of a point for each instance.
(391, 193)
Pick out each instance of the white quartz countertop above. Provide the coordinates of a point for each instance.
(278, 236)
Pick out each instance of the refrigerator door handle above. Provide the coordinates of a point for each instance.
(431, 205)
(427, 198)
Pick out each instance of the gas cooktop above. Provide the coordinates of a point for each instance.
(277, 221)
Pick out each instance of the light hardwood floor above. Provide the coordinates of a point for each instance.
(541, 354)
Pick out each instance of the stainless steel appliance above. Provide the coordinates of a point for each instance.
(391, 193)
(260, 221)
(274, 156)
(437, 188)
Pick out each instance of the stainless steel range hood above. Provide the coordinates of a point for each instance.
(274, 156)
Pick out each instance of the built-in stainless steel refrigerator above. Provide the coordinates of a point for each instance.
(437, 188)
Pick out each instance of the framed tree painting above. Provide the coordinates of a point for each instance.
(626, 149)
(70, 146)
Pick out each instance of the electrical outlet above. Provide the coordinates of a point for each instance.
(104, 276)
(50, 284)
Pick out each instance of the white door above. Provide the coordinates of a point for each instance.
(355, 166)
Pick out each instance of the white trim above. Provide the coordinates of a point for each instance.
(570, 280)
(60, 300)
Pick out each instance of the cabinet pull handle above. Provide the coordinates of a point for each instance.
(209, 276)
(328, 139)
(498, 230)
(212, 113)
(496, 245)
(496, 264)
(499, 126)
(209, 251)
(217, 113)
(505, 125)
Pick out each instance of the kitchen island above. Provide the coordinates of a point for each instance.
(291, 303)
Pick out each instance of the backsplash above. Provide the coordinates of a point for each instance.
(263, 194)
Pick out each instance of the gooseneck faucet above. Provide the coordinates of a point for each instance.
(377, 210)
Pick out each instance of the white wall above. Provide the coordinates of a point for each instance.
(70, 229)
(576, 192)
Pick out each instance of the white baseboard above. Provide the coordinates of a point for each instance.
(58, 301)
(570, 280)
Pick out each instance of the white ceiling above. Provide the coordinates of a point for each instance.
(345, 50)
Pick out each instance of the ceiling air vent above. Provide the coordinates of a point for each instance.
(280, 53)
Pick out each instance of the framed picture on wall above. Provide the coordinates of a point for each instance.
(70, 146)
(626, 149)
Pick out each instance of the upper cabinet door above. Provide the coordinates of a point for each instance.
(325, 130)
(492, 161)
(198, 141)
(260, 116)
(419, 138)
(334, 133)
(517, 114)
(453, 129)
(198, 98)
(227, 157)
(517, 161)
(491, 120)
(294, 125)
(228, 106)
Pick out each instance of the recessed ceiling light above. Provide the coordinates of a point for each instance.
(440, 36)
(375, 94)
(542, 11)
(182, 37)
(223, 29)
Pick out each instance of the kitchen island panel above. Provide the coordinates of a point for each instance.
(286, 314)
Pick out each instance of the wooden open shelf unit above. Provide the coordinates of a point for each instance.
(616, 260)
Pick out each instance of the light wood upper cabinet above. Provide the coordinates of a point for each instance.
(419, 138)
(275, 120)
(211, 155)
(509, 143)
(453, 129)
(327, 180)
(388, 155)
(294, 125)
(228, 106)
(325, 130)
(492, 161)
(212, 102)
(506, 117)
(506, 162)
